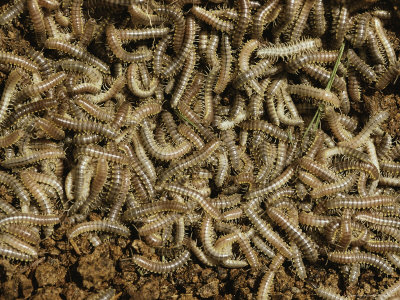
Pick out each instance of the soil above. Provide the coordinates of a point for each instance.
(75, 273)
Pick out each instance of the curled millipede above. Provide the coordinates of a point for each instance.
(115, 43)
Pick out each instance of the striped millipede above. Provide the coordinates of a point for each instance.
(12, 11)
(161, 267)
(115, 43)
(289, 50)
(84, 126)
(211, 19)
(306, 245)
(77, 52)
(10, 252)
(315, 93)
(20, 218)
(271, 236)
(262, 17)
(160, 222)
(33, 157)
(361, 257)
(192, 160)
(204, 203)
(19, 244)
(103, 225)
(366, 71)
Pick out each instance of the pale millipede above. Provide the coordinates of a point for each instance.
(94, 110)
(157, 207)
(317, 169)
(360, 202)
(191, 160)
(161, 267)
(158, 151)
(315, 93)
(298, 262)
(323, 76)
(390, 291)
(261, 18)
(289, 50)
(361, 257)
(372, 123)
(140, 34)
(115, 43)
(266, 231)
(195, 195)
(373, 47)
(328, 294)
(36, 15)
(99, 152)
(12, 11)
(275, 184)
(212, 20)
(103, 225)
(26, 233)
(360, 34)
(77, 52)
(242, 22)
(176, 16)
(366, 71)
(161, 222)
(380, 32)
(37, 192)
(77, 21)
(306, 245)
(29, 108)
(31, 158)
(301, 21)
(299, 61)
(84, 126)
(206, 235)
(142, 17)
(11, 253)
(343, 184)
(20, 218)
(48, 127)
(266, 127)
(18, 244)
(358, 165)
(388, 76)
(184, 79)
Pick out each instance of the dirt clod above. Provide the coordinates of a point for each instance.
(209, 290)
(48, 274)
(96, 268)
